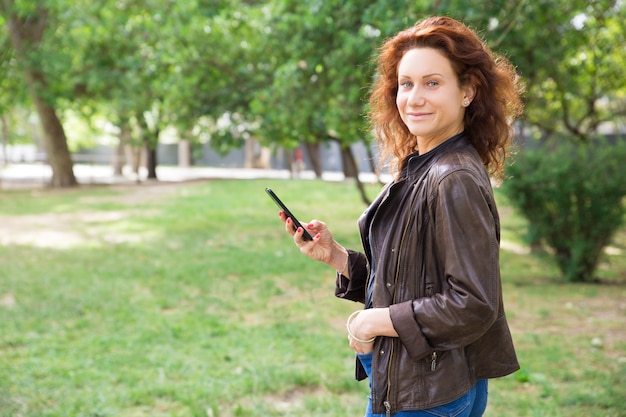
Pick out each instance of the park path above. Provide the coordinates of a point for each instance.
(33, 175)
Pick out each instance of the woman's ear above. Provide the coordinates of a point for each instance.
(469, 93)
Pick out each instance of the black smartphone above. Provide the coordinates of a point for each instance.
(283, 207)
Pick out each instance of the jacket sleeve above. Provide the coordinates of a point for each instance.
(466, 245)
(353, 288)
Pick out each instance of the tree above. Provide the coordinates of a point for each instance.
(124, 68)
(570, 55)
(216, 72)
(26, 25)
(150, 66)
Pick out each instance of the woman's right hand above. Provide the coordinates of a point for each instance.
(322, 248)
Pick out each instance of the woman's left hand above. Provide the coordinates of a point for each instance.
(366, 325)
(359, 347)
(360, 340)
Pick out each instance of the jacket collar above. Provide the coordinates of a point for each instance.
(414, 163)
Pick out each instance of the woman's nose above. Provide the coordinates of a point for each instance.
(415, 97)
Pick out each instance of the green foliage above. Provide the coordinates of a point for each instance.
(574, 81)
(12, 90)
(319, 77)
(286, 72)
(572, 196)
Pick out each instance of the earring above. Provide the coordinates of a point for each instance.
(465, 103)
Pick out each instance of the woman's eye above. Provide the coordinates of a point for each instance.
(432, 83)
(406, 84)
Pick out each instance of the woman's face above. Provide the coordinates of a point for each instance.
(430, 100)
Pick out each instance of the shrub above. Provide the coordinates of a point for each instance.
(572, 196)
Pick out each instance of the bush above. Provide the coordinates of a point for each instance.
(572, 196)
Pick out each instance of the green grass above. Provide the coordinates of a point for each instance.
(190, 300)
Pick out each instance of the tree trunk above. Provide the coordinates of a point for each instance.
(150, 146)
(56, 146)
(134, 156)
(313, 150)
(350, 166)
(350, 169)
(151, 161)
(26, 34)
(120, 155)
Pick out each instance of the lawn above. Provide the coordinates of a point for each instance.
(189, 300)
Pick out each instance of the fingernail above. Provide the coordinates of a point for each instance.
(317, 236)
(288, 220)
(299, 230)
(310, 225)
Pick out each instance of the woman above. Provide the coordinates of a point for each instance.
(433, 329)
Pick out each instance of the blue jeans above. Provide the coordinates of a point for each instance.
(471, 404)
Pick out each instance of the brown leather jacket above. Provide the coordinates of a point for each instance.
(436, 247)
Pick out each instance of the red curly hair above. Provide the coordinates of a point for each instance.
(488, 120)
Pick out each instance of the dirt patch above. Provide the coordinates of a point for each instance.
(587, 323)
(294, 399)
(67, 230)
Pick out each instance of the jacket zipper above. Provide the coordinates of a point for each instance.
(387, 403)
(388, 408)
(367, 283)
(433, 363)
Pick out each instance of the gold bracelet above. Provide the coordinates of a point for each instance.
(352, 336)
